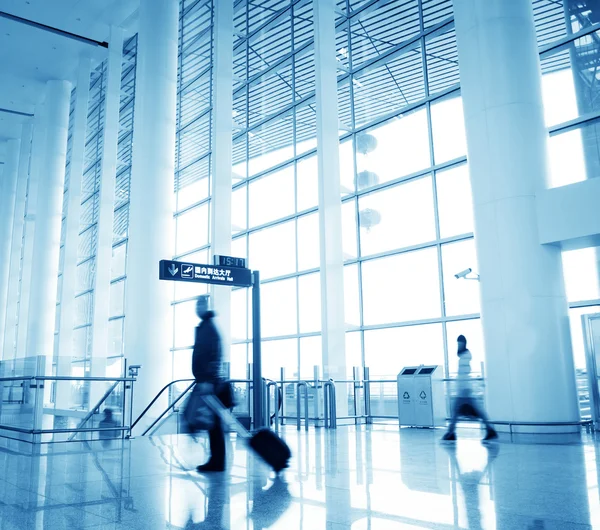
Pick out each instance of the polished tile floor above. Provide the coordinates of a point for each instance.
(361, 478)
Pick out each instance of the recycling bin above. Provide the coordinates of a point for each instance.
(406, 396)
(429, 401)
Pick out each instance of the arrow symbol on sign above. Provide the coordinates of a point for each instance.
(173, 270)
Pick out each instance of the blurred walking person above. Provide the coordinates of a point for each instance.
(465, 404)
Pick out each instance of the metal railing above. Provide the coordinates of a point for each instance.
(165, 413)
(35, 386)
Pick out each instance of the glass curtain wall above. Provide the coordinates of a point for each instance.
(406, 198)
(569, 37)
(88, 237)
(275, 196)
(192, 167)
(121, 207)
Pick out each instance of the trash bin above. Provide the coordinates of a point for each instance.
(406, 396)
(429, 402)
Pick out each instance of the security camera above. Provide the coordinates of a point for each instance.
(463, 274)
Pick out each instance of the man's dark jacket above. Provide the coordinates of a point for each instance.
(207, 359)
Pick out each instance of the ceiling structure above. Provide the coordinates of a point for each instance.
(30, 56)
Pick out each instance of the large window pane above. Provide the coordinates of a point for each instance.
(401, 288)
(473, 332)
(238, 367)
(84, 305)
(461, 296)
(385, 88)
(279, 308)
(239, 248)
(395, 149)
(351, 296)
(309, 292)
(117, 265)
(185, 324)
(577, 334)
(455, 203)
(273, 250)
(353, 351)
(115, 337)
(277, 354)
(448, 129)
(580, 269)
(310, 356)
(567, 156)
(272, 197)
(397, 217)
(117, 299)
(307, 183)
(271, 145)
(239, 314)
(192, 229)
(387, 351)
(192, 193)
(308, 242)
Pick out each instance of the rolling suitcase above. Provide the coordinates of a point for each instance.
(265, 443)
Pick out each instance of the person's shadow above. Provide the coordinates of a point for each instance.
(269, 504)
(217, 498)
(267, 507)
(469, 482)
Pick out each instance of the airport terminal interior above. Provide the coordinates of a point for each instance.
(392, 206)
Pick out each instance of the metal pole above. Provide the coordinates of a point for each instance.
(355, 386)
(367, 383)
(256, 353)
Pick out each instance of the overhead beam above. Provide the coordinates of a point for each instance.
(56, 31)
(16, 112)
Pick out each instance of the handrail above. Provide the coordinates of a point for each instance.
(67, 378)
(268, 402)
(302, 384)
(95, 408)
(158, 395)
(171, 406)
(329, 401)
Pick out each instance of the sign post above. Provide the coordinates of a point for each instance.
(227, 271)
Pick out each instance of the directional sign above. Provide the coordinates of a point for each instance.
(180, 271)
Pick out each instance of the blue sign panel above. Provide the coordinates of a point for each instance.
(181, 271)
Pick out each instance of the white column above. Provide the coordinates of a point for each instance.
(46, 246)
(10, 329)
(529, 363)
(8, 196)
(107, 206)
(330, 205)
(38, 150)
(148, 332)
(69, 281)
(222, 158)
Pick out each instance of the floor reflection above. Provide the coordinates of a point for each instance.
(360, 478)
